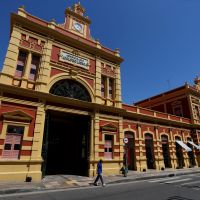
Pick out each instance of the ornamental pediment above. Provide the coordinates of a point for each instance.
(17, 115)
(109, 127)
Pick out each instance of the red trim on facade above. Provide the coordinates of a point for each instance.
(162, 115)
(55, 53)
(116, 154)
(89, 81)
(92, 67)
(31, 111)
(129, 108)
(27, 143)
(146, 112)
(55, 72)
(25, 152)
(100, 136)
(101, 146)
(37, 20)
(1, 141)
(101, 154)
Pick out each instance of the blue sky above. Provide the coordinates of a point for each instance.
(158, 39)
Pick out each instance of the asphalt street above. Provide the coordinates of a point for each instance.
(186, 187)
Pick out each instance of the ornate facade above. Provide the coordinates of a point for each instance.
(61, 107)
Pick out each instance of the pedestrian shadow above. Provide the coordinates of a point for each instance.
(178, 198)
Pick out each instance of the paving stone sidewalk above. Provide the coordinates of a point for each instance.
(71, 181)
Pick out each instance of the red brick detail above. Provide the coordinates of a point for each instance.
(107, 70)
(55, 54)
(11, 107)
(37, 20)
(174, 118)
(92, 67)
(1, 141)
(87, 32)
(25, 152)
(137, 153)
(129, 108)
(116, 154)
(101, 154)
(55, 72)
(67, 23)
(116, 147)
(162, 115)
(145, 128)
(101, 146)
(32, 43)
(146, 112)
(90, 82)
(100, 136)
(27, 143)
(103, 123)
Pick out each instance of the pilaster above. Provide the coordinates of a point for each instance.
(173, 153)
(98, 81)
(118, 99)
(10, 62)
(27, 71)
(141, 164)
(38, 133)
(44, 69)
(159, 160)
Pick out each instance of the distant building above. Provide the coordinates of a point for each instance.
(61, 109)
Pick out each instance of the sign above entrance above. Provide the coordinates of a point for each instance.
(74, 59)
(125, 140)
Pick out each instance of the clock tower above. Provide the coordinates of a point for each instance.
(76, 22)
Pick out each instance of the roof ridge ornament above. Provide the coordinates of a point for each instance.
(77, 8)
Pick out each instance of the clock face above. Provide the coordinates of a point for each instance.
(78, 26)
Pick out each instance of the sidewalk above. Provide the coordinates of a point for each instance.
(70, 181)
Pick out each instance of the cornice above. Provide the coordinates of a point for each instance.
(41, 27)
(46, 97)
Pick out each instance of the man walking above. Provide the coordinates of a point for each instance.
(99, 173)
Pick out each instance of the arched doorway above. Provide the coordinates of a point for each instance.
(165, 150)
(70, 88)
(191, 154)
(179, 154)
(130, 150)
(66, 136)
(149, 151)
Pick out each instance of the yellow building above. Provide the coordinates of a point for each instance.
(61, 108)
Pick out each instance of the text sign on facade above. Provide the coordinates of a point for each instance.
(74, 59)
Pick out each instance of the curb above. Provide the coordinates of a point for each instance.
(126, 179)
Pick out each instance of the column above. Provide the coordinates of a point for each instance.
(38, 133)
(98, 81)
(10, 62)
(159, 159)
(142, 157)
(121, 142)
(118, 99)
(26, 71)
(173, 151)
(44, 69)
(94, 154)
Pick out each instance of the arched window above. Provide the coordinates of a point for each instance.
(71, 89)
